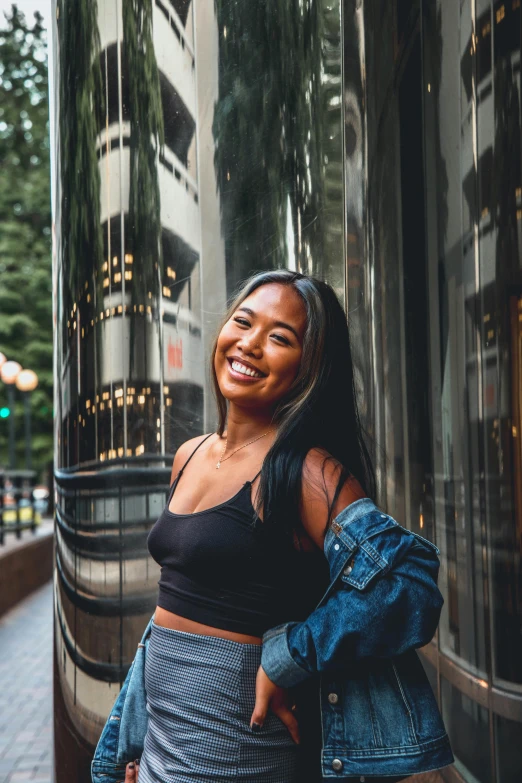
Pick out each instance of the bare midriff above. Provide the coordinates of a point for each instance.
(177, 623)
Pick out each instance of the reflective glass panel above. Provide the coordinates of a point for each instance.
(467, 725)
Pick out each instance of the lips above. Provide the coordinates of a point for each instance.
(241, 376)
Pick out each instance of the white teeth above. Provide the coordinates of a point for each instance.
(245, 370)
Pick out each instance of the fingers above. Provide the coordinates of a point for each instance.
(260, 710)
(287, 716)
(130, 773)
(263, 695)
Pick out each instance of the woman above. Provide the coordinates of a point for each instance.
(233, 686)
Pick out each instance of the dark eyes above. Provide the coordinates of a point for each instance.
(244, 322)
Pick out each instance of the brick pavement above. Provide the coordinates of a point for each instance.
(26, 707)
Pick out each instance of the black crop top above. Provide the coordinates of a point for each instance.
(224, 568)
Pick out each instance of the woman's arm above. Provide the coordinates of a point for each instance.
(398, 610)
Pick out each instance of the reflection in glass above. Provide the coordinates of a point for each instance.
(175, 176)
(467, 724)
(277, 136)
(509, 758)
(436, 295)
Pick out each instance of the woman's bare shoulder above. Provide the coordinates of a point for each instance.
(321, 474)
(184, 451)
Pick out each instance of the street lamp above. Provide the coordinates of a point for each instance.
(26, 382)
(9, 373)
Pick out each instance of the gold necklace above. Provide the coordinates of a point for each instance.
(220, 460)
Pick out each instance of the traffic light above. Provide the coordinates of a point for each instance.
(4, 413)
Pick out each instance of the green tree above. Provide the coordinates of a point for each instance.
(26, 331)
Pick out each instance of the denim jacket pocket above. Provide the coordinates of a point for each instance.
(362, 568)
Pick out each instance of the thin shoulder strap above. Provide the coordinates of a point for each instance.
(197, 447)
(175, 482)
(257, 474)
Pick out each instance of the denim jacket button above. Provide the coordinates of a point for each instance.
(337, 765)
(333, 698)
(362, 778)
(348, 570)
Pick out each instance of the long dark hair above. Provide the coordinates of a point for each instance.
(319, 410)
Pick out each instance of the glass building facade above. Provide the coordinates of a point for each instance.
(374, 144)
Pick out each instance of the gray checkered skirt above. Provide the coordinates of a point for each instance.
(200, 697)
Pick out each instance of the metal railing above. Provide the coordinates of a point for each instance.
(17, 505)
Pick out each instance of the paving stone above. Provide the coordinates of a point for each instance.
(26, 720)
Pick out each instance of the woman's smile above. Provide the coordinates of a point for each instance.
(243, 372)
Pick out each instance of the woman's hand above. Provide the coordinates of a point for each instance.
(132, 771)
(271, 696)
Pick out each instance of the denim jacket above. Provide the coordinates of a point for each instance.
(122, 737)
(379, 717)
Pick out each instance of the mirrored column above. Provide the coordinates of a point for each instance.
(193, 144)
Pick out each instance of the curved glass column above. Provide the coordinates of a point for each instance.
(193, 144)
(437, 304)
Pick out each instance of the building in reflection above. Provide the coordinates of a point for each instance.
(375, 145)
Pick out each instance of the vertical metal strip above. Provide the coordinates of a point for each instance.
(119, 22)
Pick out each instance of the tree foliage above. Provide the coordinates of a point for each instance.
(25, 225)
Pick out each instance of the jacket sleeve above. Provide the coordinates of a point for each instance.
(396, 612)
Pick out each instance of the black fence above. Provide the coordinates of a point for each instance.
(18, 511)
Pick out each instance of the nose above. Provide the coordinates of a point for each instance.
(250, 343)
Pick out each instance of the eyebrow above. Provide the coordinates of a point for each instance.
(282, 324)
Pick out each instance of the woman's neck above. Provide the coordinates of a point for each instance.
(242, 427)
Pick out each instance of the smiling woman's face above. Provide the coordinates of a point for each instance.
(264, 336)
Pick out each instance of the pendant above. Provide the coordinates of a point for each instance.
(218, 464)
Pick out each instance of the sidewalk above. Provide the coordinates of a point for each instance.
(26, 690)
